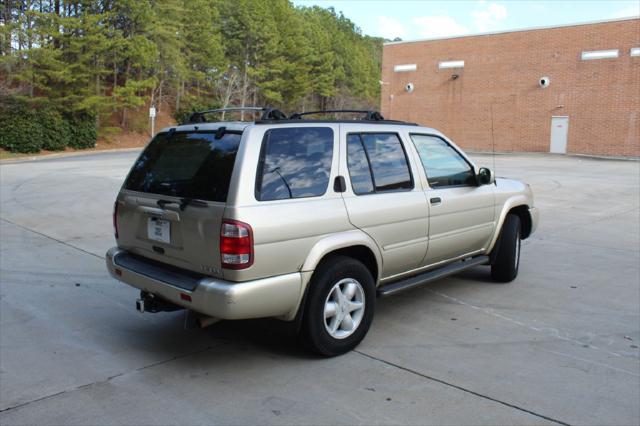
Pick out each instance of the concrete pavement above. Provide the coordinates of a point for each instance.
(558, 345)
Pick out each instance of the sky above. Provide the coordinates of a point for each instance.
(418, 19)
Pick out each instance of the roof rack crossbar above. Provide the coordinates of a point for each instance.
(267, 113)
(368, 115)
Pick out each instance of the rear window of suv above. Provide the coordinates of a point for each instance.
(294, 163)
(186, 165)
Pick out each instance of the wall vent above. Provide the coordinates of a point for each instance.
(599, 54)
(405, 68)
(450, 64)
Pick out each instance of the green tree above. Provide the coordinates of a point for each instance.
(107, 60)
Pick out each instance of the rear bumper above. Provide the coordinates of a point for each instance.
(277, 296)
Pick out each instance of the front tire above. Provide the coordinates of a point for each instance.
(340, 306)
(507, 258)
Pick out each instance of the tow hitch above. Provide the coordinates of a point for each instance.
(150, 303)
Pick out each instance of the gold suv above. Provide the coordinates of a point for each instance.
(308, 220)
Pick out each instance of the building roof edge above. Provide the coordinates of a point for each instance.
(548, 27)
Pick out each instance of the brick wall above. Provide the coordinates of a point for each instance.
(601, 97)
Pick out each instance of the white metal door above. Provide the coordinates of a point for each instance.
(559, 129)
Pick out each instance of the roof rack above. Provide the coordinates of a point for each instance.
(267, 113)
(368, 115)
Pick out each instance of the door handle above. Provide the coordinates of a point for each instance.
(435, 200)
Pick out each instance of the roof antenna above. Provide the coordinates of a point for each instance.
(493, 143)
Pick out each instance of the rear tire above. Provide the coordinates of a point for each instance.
(340, 306)
(507, 258)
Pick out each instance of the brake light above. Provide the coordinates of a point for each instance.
(236, 244)
(115, 219)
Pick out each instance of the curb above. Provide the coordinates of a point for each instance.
(32, 158)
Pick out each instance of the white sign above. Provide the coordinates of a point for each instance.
(152, 112)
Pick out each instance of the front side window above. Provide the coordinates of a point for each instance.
(443, 165)
(294, 163)
(377, 163)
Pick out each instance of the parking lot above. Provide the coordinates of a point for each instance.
(557, 346)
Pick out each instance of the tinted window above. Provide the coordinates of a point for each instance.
(359, 170)
(387, 161)
(189, 165)
(443, 165)
(294, 163)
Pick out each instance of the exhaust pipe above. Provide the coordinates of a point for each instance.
(195, 320)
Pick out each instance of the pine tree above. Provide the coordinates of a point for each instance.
(108, 58)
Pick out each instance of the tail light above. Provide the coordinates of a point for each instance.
(115, 219)
(236, 244)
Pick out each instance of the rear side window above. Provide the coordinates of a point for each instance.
(187, 165)
(294, 163)
(377, 163)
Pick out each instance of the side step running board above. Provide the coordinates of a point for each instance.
(429, 276)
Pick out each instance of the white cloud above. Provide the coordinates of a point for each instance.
(627, 12)
(439, 26)
(390, 28)
(490, 17)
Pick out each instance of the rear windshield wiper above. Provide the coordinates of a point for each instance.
(162, 203)
(184, 202)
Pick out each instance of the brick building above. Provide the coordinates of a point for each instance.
(466, 85)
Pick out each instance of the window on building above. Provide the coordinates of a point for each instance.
(443, 165)
(377, 163)
(294, 163)
(599, 54)
(634, 51)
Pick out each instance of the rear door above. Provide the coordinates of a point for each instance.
(385, 199)
(173, 201)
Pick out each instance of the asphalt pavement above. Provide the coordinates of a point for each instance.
(557, 346)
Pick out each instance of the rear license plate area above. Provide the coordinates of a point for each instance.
(159, 230)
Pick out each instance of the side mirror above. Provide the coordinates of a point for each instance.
(485, 176)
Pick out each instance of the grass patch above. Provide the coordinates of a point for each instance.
(7, 155)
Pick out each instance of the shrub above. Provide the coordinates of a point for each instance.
(29, 127)
(83, 130)
(56, 132)
(20, 127)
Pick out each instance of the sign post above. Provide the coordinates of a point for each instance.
(152, 115)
